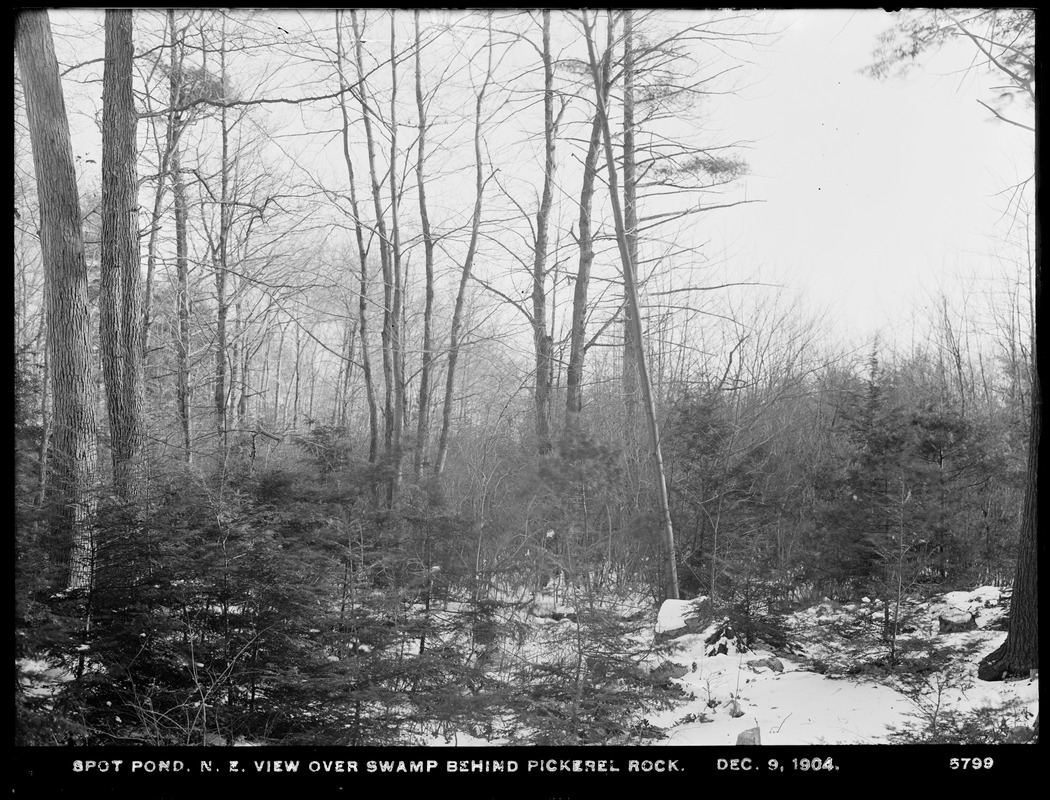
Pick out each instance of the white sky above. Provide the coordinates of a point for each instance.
(876, 192)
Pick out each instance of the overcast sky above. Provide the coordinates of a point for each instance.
(875, 192)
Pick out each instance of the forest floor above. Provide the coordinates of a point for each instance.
(822, 675)
(830, 681)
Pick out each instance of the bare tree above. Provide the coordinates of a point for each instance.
(362, 255)
(631, 290)
(423, 416)
(391, 283)
(542, 339)
(468, 266)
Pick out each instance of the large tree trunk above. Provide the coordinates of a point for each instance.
(66, 299)
(119, 322)
(1019, 654)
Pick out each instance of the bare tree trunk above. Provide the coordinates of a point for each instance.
(171, 135)
(384, 242)
(66, 299)
(468, 265)
(1019, 654)
(119, 304)
(423, 416)
(279, 418)
(182, 302)
(298, 375)
(362, 254)
(397, 356)
(630, 199)
(577, 346)
(667, 541)
(541, 338)
(221, 262)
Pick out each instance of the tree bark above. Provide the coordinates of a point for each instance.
(119, 317)
(1019, 654)
(74, 443)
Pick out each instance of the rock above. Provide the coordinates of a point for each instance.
(734, 708)
(667, 671)
(772, 663)
(956, 622)
(681, 617)
(750, 736)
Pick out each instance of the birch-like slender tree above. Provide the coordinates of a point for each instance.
(465, 273)
(631, 292)
(362, 254)
(542, 339)
(390, 316)
(423, 415)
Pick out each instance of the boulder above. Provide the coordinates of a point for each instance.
(667, 671)
(956, 622)
(750, 736)
(772, 663)
(681, 617)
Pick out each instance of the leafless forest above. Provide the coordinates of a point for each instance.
(364, 338)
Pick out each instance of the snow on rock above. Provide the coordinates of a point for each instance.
(956, 622)
(679, 617)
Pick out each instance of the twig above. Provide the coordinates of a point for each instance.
(781, 725)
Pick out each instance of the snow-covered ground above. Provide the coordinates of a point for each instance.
(828, 683)
(854, 701)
